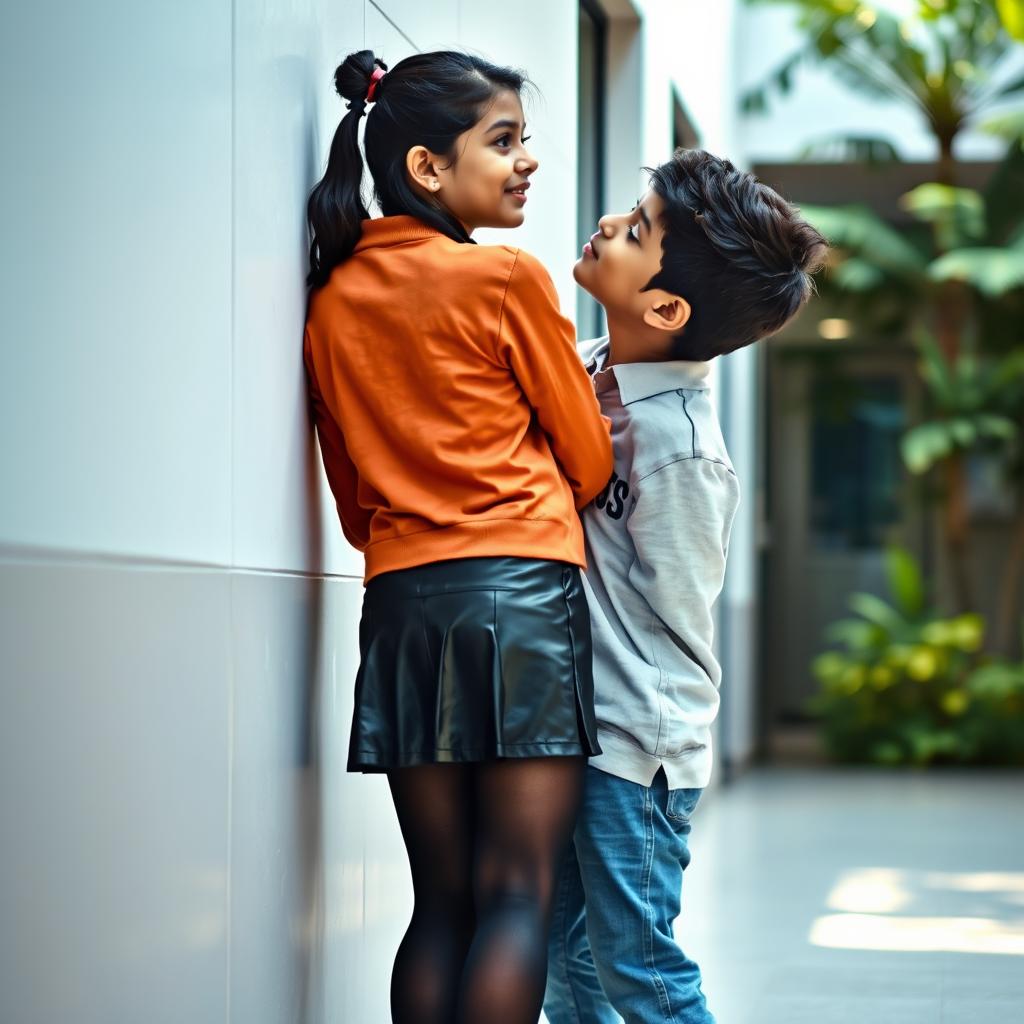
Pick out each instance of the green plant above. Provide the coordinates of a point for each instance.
(908, 686)
(973, 401)
(946, 63)
(973, 252)
(958, 272)
(993, 718)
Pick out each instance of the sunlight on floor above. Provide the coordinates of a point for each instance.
(895, 910)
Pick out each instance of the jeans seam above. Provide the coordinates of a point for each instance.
(563, 900)
(656, 978)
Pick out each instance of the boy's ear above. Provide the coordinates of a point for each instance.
(666, 312)
(422, 167)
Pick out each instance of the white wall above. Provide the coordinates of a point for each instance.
(177, 648)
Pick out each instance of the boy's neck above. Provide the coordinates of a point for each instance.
(628, 345)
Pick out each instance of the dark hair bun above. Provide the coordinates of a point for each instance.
(353, 76)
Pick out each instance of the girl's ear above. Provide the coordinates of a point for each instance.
(422, 167)
(666, 312)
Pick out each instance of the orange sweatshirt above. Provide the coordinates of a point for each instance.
(454, 415)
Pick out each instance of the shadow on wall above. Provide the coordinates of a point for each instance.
(309, 816)
(309, 823)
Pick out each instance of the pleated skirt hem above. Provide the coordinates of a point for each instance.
(473, 660)
(370, 761)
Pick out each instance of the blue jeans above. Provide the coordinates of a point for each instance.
(612, 953)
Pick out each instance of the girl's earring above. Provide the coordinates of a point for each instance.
(435, 185)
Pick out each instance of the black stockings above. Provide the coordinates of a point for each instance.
(485, 842)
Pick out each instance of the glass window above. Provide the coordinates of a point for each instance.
(856, 468)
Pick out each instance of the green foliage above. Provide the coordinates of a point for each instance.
(976, 401)
(942, 63)
(858, 231)
(977, 240)
(1008, 126)
(1004, 195)
(1011, 12)
(992, 272)
(903, 685)
(905, 582)
(995, 711)
(956, 214)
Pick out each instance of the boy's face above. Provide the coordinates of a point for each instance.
(621, 258)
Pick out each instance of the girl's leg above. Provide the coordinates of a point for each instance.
(435, 811)
(526, 810)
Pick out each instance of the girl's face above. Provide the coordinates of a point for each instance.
(486, 185)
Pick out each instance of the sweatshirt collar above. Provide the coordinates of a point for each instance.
(637, 381)
(384, 231)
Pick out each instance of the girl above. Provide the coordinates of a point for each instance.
(460, 435)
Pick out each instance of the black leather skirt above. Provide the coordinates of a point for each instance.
(473, 660)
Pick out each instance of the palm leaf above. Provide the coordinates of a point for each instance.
(1004, 194)
(943, 69)
(857, 275)
(1009, 370)
(924, 445)
(862, 233)
(1011, 14)
(905, 581)
(999, 428)
(936, 372)
(877, 611)
(780, 80)
(1015, 85)
(991, 271)
(957, 214)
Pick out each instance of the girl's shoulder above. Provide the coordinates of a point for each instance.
(517, 267)
(486, 259)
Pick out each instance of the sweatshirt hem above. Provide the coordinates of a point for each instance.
(690, 769)
(523, 538)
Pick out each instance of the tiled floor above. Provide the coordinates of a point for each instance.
(832, 897)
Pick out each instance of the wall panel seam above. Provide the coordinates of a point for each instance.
(229, 848)
(393, 24)
(70, 559)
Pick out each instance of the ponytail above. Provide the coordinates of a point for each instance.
(336, 210)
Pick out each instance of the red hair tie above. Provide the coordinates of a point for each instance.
(378, 74)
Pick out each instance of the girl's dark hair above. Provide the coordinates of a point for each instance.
(429, 100)
(734, 249)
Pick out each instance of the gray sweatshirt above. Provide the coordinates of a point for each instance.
(657, 538)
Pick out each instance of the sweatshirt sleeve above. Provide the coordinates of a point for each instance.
(342, 475)
(680, 528)
(538, 344)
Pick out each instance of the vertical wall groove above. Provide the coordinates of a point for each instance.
(230, 681)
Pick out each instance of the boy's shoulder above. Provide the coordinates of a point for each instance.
(665, 412)
(679, 425)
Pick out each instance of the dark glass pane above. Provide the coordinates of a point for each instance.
(856, 467)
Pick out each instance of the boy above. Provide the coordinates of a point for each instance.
(709, 260)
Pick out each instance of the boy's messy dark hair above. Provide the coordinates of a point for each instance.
(734, 249)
